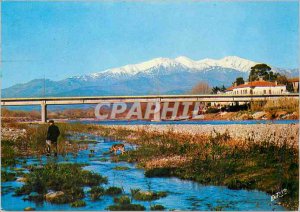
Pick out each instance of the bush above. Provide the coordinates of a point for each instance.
(212, 110)
(157, 208)
(124, 204)
(78, 203)
(123, 200)
(7, 176)
(121, 168)
(96, 192)
(159, 172)
(128, 207)
(113, 190)
(68, 178)
(137, 194)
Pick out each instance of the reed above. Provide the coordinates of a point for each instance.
(269, 165)
(287, 104)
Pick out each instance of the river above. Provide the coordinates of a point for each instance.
(182, 194)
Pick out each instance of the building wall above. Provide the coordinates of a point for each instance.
(258, 90)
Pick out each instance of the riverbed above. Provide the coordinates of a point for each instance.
(182, 194)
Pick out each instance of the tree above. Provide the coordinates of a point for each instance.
(215, 90)
(218, 89)
(239, 81)
(282, 79)
(262, 70)
(201, 88)
(223, 89)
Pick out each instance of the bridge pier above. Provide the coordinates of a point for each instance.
(156, 115)
(44, 112)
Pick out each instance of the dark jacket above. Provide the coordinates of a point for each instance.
(53, 133)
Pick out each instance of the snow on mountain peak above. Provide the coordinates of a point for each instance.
(236, 63)
(232, 62)
(142, 67)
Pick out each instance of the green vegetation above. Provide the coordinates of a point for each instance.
(78, 203)
(217, 159)
(32, 142)
(29, 209)
(127, 207)
(121, 168)
(261, 70)
(269, 165)
(239, 81)
(8, 153)
(68, 179)
(96, 192)
(137, 194)
(83, 141)
(123, 200)
(212, 110)
(265, 72)
(217, 89)
(7, 176)
(123, 203)
(113, 191)
(157, 208)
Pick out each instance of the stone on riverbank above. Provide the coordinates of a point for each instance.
(29, 209)
(259, 115)
(52, 196)
(21, 179)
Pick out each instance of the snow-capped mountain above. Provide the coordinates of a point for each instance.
(156, 76)
(231, 62)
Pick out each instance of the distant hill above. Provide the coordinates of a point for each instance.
(157, 76)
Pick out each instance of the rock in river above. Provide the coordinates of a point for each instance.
(29, 209)
(53, 195)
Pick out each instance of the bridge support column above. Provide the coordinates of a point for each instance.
(156, 115)
(44, 112)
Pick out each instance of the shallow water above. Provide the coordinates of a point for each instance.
(204, 122)
(182, 194)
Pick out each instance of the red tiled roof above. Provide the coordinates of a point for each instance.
(254, 84)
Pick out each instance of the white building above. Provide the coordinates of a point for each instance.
(259, 87)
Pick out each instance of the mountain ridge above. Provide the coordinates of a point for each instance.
(156, 76)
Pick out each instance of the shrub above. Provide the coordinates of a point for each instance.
(123, 200)
(212, 110)
(157, 208)
(159, 172)
(96, 192)
(128, 207)
(78, 203)
(121, 168)
(68, 178)
(124, 204)
(113, 190)
(7, 176)
(137, 194)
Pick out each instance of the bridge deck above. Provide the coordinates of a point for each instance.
(150, 98)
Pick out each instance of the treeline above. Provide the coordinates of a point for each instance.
(258, 71)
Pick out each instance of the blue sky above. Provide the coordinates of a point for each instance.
(62, 39)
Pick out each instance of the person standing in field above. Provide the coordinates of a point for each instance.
(52, 135)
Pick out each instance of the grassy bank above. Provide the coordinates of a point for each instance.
(269, 165)
(29, 139)
(218, 159)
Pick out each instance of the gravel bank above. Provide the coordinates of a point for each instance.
(257, 132)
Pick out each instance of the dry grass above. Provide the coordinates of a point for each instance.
(286, 104)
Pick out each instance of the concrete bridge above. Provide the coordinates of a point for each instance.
(44, 101)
